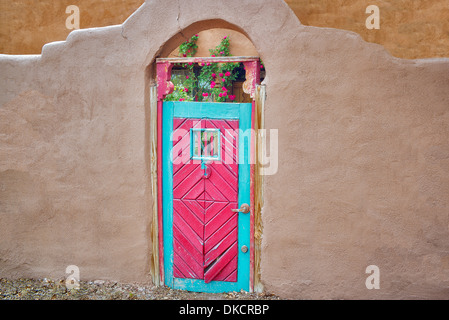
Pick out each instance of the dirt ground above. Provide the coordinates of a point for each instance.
(45, 289)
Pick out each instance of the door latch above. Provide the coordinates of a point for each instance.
(244, 208)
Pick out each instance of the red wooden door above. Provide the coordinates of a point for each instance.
(205, 190)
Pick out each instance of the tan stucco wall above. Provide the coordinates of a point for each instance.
(363, 155)
(409, 29)
(239, 45)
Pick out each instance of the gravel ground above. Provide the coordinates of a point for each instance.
(45, 289)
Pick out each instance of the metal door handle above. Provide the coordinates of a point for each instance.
(243, 209)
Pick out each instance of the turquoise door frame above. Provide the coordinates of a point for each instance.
(201, 110)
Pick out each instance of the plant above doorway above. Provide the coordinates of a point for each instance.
(205, 81)
(189, 48)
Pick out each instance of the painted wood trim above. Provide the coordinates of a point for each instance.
(252, 77)
(243, 275)
(252, 195)
(155, 265)
(164, 84)
(208, 59)
(159, 188)
(206, 110)
(244, 194)
(164, 87)
(259, 123)
(167, 199)
(192, 145)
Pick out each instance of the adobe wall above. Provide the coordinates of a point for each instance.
(239, 45)
(363, 155)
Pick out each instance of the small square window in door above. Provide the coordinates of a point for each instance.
(205, 144)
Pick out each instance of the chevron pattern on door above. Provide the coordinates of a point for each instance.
(188, 210)
(221, 196)
(205, 230)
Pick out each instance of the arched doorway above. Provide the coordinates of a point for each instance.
(244, 275)
(205, 203)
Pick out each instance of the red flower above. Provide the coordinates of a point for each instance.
(182, 99)
(224, 89)
(213, 75)
(223, 80)
(187, 77)
(221, 75)
(213, 55)
(205, 94)
(186, 90)
(227, 74)
(232, 97)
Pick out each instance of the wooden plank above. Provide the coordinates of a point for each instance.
(215, 247)
(222, 180)
(192, 218)
(188, 245)
(163, 78)
(218, 266)
(216, 186)
(257, 226)
(156, 240)
(244, 259)
(227, 177)
(159, 188)
(212, 208)
(221, 225)
(187, 269)
(186, 185)
(213, 193)
(183, 172)
(226, 59)
(205, 109)
(252, 77)
(181, 142)
(187, 231)
(196, 193)
(197, 207)
(229, 272)
(252, 194)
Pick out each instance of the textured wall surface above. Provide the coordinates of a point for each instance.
(363, 154)
(239, 45)
(26, 25)
(409, 29)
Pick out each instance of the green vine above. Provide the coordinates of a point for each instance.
(214, 80)
(189, 48)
